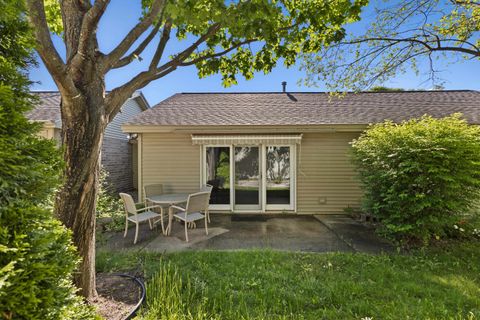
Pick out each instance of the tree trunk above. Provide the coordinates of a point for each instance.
(83, 124)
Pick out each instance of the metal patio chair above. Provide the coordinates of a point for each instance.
(197, 206)
(137, 216)
(155, 189)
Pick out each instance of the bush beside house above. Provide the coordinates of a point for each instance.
(37, 257)
(110, 212)
(421, 177)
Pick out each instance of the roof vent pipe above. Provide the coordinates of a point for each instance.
(284, 86)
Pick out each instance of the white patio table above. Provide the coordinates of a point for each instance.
(169, 199)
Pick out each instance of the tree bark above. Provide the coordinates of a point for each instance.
(83, 123)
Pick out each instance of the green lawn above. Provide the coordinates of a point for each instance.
(438, 284)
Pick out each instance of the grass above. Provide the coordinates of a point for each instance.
(442, 283)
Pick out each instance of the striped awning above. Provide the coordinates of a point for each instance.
(277, 139)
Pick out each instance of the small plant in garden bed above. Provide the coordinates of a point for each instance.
(420, 176)
(110, 212)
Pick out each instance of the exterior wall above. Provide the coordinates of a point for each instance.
(128, 110)
(51, 133)
(117, 161)
(326, 180)
(172, 160)
(117, 151)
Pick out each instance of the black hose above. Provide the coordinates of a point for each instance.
(142, 297)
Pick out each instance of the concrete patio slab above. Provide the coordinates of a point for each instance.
(359, 236)
(291, 233)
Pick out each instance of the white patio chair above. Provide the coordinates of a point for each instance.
(132, 214)
(207, 188)
(155, 190)
(196, 208)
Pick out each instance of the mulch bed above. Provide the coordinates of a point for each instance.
(117, 296)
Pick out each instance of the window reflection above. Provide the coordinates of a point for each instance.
(278, 175)
(247, 177)
(218, 174)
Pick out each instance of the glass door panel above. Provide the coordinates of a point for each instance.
(247, 178)
(218, 174)
(278, 175)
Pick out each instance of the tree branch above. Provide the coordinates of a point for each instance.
(135, 53)
(116, 97)
(161, 45)
(88, 33)
(47, 51)
(182, 56)
(217, 54)
(90, 22)
(429, 47)
(116, 54)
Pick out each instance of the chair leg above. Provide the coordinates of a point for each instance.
(150, 224)
(208, 216)
(186, 232)
(126, 228)
(161, 220)
(206, 227)
(136, 233)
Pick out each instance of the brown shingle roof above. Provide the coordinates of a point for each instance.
(217, 109)
(48, 108)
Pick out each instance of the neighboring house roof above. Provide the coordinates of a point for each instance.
(301, 108)
(48, 108)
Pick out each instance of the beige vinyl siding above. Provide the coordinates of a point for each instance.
(172, 160)
(326, 181)
(129, 109)
(324, 171)
(47, 133)
(51, 133)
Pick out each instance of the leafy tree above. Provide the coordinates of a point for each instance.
(421, 176)
(37, 256)
(412, 34)
(385, 89)
(230, 38)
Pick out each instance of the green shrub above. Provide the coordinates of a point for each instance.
(420, 177)
(110, 212)
(37, 257)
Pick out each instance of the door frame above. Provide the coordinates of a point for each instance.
(264, 207)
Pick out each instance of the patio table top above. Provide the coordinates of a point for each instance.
(169, 198)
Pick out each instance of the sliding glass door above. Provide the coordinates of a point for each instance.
(247, 178)
(255, 178)
(278, 173)
(217, 165)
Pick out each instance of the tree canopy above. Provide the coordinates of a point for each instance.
(231, 37)
(413, 34)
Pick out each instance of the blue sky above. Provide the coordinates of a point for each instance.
(119, 18)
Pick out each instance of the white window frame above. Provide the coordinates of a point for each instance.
(293, 179)
(264, 207)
